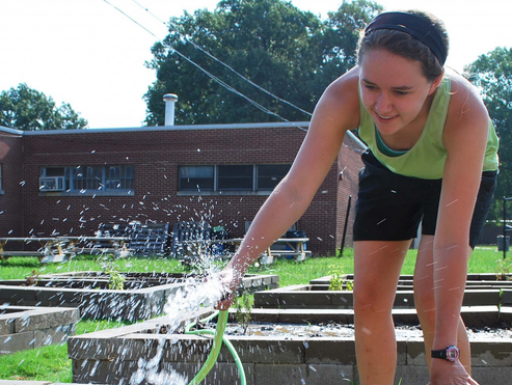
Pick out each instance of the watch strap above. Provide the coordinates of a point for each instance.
(451, 353)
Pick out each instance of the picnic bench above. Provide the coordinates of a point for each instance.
(149, 239)
(51, 249)
(190, 242)
(295, 248)
(118, 246)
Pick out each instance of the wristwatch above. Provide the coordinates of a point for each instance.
(451, 353)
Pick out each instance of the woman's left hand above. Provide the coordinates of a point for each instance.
(449, 373)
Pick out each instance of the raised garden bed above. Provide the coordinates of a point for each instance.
(300, 334)
(473, 281)
(318, 296)
(23, 328)
(145, 295)
(112, 357)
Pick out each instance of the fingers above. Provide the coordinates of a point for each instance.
(225, 302)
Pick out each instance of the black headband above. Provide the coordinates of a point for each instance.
(414, 25)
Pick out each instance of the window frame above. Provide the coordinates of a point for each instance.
(217, 180)
(90, 179)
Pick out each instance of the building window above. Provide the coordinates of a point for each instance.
(196, 178)
(269, 175)
(234, 178)
(239, 178)
(83, 179)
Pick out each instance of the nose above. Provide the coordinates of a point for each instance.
(383, 103)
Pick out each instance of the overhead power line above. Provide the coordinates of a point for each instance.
(186, 38)
(131, 18)
(213, 77)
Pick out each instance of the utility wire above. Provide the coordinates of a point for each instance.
(129, 17)
(213, 77)
(186, 38)
(175, 28)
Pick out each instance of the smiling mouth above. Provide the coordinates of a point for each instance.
(385, 117)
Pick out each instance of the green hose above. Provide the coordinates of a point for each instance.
(217, 343)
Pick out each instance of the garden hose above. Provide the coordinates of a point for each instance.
(217, 343)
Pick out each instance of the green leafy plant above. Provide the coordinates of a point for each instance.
(243, 305)
(115, 278)
(503, 269)
(338, 283)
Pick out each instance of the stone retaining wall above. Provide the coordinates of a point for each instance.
(111, 357)
(131, 304)
(24, 328)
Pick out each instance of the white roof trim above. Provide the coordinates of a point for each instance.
(232, 126)
(11, 130)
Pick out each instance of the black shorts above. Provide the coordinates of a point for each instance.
(390, 206)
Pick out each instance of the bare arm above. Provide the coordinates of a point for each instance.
(465, 139)
(336, 112)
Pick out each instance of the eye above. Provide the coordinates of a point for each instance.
(401, 93)
(370, 87)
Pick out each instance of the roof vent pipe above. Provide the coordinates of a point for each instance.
(170, 100)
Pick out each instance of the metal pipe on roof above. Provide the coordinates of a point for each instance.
(170, 101)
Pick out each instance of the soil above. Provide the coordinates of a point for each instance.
(291, 331)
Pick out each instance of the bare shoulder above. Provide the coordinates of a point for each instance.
(339, 104)
(465, 103)
(467, 115)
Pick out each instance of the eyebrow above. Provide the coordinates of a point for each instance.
(401, 88)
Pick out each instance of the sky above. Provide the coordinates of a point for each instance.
(88, 54)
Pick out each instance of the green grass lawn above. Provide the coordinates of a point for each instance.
(52, 364)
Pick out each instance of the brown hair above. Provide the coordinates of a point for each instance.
(405, 45)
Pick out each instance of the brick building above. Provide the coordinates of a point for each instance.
(67, 182)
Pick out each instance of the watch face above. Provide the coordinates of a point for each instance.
(452, 353)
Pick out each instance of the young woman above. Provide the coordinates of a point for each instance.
(431, 161)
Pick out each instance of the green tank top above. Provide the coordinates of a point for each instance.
(427, 157)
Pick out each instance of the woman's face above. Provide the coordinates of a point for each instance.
(393, 90)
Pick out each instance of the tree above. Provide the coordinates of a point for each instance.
(291, 53)
(492, 73)
(24, 108)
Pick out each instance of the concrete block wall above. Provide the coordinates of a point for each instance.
(23, 328)
(132, 305)
(265, 360)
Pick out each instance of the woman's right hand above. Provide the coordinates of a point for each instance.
(230, 281)
(449, 373)
(225, 302)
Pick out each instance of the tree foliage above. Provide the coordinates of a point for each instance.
(291, 53)
(24, 108)
(492, 73)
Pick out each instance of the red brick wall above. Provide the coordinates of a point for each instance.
(349, 164)
(11, 160)
(156, 156)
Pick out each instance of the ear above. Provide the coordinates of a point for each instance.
(435, 83)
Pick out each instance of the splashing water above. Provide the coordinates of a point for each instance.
(185, 304)
(189, 301)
